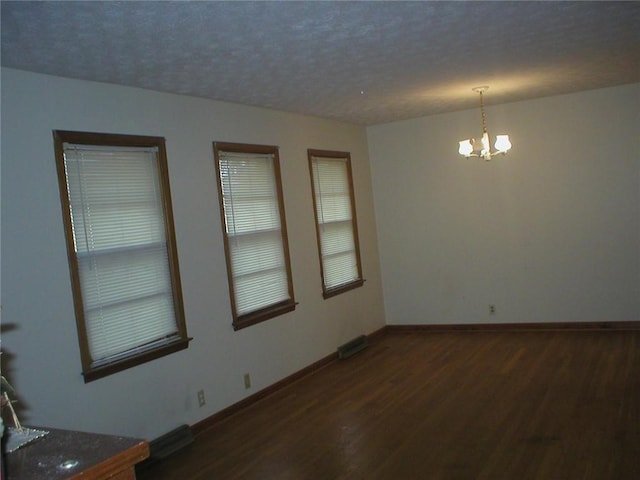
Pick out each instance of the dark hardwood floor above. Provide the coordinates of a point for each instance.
(459, 405)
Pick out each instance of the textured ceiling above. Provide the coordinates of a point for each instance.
(361, 62)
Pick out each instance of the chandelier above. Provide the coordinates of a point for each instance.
(472, 147)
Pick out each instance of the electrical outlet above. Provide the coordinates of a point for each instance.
(492, 309)
(247, 381)
(201, 400)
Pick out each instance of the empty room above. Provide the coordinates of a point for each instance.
(320, 240)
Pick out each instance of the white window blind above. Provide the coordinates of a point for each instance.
(253, 225)
(118, 226)
(335, 222)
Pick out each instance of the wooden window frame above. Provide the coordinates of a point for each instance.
(241, 321)
(328, 291)
(93, 370)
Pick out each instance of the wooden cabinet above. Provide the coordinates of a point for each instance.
(65, 454)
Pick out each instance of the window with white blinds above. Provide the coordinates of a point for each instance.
(336, 226)
(254, 231)
(124, 268)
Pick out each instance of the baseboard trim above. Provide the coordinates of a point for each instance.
(201, 426)
(507, 327)
(208, 422)
(373, 336)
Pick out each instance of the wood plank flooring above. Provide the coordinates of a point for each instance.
(459, 405)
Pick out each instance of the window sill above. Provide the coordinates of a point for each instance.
(95, 372)
(264, 314)
(332, 292)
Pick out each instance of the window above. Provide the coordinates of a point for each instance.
(336, 227)
(116, 207)
(255, 233)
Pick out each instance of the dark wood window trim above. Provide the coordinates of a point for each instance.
(93, 369)
(331, 291)
(280, 307)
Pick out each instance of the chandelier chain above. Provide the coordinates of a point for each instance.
(484, 117)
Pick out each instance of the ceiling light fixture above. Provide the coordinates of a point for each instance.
(482, 147)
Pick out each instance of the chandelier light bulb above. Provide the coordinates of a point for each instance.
(502, 143)
(465, 148)
(486, 146)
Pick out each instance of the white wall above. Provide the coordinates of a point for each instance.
(39, 333)
(548, 233)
